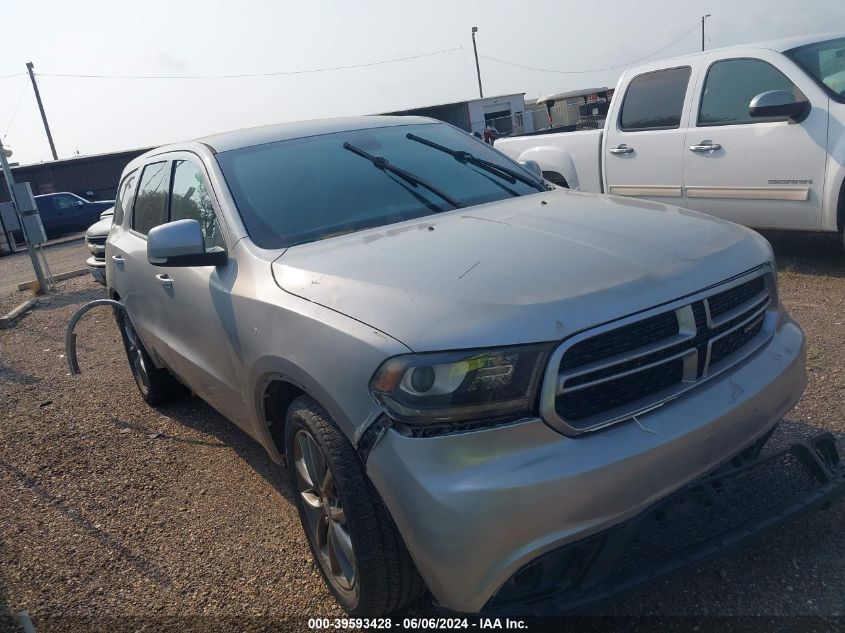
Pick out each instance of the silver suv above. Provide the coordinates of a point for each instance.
(521, 398)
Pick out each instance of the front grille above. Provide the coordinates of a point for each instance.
(616, 392)
(730, 299)
(618, 372)
(621, 340)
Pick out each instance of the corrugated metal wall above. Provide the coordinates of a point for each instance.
(92, 177)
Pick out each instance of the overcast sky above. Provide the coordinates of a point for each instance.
(179, 37)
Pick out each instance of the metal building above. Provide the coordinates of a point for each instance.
(503, 112)
(92, 177)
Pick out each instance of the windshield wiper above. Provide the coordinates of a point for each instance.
(382, 163)
(465, 157)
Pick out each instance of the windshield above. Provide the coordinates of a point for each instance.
(307, 189)
(825, 63)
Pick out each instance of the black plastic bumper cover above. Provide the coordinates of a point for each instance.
(713, 514)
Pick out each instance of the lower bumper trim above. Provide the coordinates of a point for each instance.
(734, 504)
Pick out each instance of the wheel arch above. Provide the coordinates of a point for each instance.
(277, 383)
(554, 160)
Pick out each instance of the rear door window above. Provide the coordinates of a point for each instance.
(150, 207)
(655, 101)
(123, 202)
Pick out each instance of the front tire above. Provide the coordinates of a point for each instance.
(361, 555)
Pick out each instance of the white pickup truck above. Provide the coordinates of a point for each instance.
(754, 134)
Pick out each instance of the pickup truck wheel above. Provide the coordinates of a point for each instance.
(556, 179)
(353, 539)
(157, 386)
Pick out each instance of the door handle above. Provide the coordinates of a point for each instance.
(622, 149)
(117, 259)
(165, 280)
(706, 146)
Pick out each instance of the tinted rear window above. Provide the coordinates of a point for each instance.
(150, 208)
(301, 190)
(123, 203)
(655, 101)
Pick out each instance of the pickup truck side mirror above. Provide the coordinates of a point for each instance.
(776, 103)
(181, 243)
(533, 166)
(79, 203)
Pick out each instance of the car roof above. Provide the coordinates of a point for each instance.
(779, 45)
(247, 137)
(789, 43)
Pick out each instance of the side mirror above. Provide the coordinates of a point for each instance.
(779, 103)
(181, 243)
(533, 166)
(79, 203)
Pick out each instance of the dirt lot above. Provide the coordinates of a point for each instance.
(64, 254)
(114, 515)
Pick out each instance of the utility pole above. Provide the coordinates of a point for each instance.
(29, 67)
(703, 17)
(33, 256)
(477, 67)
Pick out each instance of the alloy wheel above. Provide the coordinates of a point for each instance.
(136, 357)
(323, 509)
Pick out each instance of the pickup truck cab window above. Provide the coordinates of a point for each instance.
(730, 86)
(654, 101)
(150, 207)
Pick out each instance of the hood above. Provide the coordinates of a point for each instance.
(101, 204)
(100, 228)
(528, 269)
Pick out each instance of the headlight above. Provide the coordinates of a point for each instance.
(456, 386)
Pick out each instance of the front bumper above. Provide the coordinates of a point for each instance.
(702, 520)
(97, 268)
(476, 508)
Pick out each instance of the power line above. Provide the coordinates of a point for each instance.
(594, 70)
(15, 112)
(244, 75)
(12, 75)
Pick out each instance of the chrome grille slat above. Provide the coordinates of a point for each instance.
(734, 312)
(562, 389)
(715, 329)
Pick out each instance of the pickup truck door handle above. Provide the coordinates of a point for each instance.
(622, 149)
(117, 259)
(706, 146)
(165, 280)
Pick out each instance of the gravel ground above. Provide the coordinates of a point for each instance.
(63, 254)
(115, 516)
